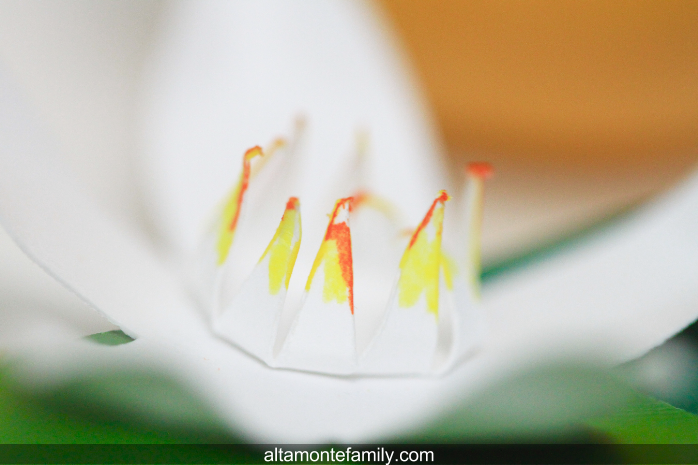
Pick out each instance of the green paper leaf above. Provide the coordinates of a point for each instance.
(111, 338)
(558, 403)
(645, 420)
(80, 412)
(116, 407)
(542, 404)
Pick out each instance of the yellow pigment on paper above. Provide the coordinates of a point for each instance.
(283, 248)
(423, 259)
(231, 211)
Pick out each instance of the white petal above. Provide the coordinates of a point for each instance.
(56, 224)
(34, 307)
(625, 289)
(231, 75)
(76, 62)
(219, 86)
(110, 268)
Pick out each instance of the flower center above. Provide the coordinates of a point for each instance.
(375, 302)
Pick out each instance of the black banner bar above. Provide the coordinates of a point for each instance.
(349, 454)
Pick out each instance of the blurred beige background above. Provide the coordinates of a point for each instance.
(583, 106)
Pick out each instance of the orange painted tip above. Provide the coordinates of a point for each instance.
(346, 202)
(341, 203)
(481, 170)
(442, 198)
(293, 203)
(253, 152)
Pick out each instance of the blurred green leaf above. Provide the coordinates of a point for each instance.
(27, 420)
(117, 407)
(645, 420)
(75, 413)
(150, 398)
(557, 403)
(127, 406)
(542, 404)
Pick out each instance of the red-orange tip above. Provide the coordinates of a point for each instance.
(443, 197)
(253, 152)
(481, 170)
(292, 203)
(346, 202)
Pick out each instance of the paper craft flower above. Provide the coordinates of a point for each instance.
(231, 75)
(424, 325)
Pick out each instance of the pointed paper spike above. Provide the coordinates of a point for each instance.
(469, 321)
(420, 264)
(251, 319)
(243, 223)
(322, 337)
(231, 211)
(376, 250)
(335, 254)
(476, 173)
(264, 200)
(409, 338)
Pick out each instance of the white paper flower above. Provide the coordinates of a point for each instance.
(231, 75)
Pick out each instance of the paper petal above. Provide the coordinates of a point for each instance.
(231, 75)
(377, 245)
(462, 235)
(322, 337)
(34, 308)
(624, 290)
(251, 320)
(409, 338)
(55, 223)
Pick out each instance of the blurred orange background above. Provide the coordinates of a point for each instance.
(583, 107)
